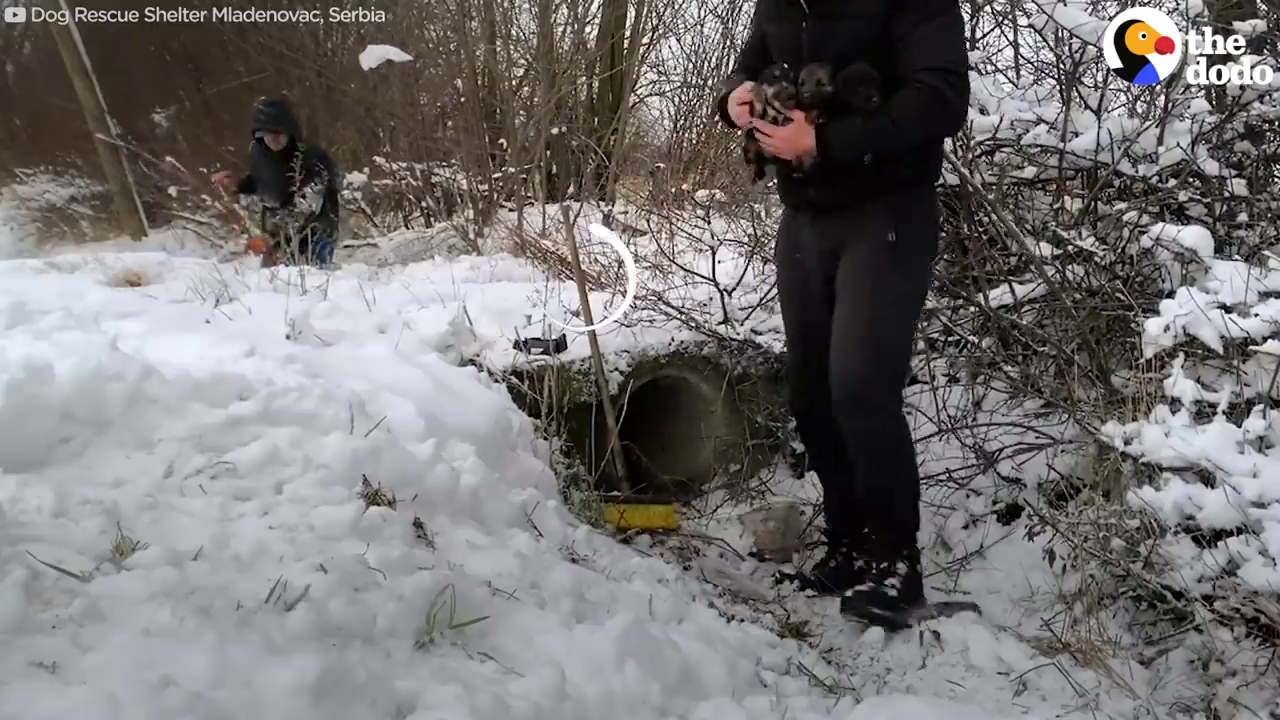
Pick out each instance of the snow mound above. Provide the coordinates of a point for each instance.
(193, 459)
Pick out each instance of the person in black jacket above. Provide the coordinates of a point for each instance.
(854, 257)
(296, 182)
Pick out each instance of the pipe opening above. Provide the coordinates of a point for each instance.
(669, 426)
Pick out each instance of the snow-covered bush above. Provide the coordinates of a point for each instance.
(1108, 255)
(1214, 435)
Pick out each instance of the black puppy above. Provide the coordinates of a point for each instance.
(857, 88)
(773, 97)
(855, 91)
(816, 88)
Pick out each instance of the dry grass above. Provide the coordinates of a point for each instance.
(124, 547)
(442, 617)
(376, 495)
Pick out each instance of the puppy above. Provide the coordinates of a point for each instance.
(815, 90)
(858, 88)
(854, 91)
(773, 97)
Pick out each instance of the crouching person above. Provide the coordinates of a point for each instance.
(296, 183)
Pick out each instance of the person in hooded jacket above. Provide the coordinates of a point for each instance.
(854, 256)
(296, 182)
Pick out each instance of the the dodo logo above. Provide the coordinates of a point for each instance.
(1142, 46)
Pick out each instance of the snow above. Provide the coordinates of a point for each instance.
(374, 55)
(1220, 303)
(896, 706)
(219, 420)
(1075, 17)
(1192, 238)
(234, 452)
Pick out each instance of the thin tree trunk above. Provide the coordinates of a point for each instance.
(611, 81)
(630, 73)
(128, 207)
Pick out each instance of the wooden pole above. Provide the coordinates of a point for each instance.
(597, 359)
(128, 207)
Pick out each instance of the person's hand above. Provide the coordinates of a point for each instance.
(224, 180)
(794, 141)
(740, 104)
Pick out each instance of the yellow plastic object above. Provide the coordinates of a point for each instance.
(643, 516)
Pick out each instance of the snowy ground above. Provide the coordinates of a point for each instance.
(225, 419)
(183, 534)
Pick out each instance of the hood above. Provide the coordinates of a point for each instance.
(274, 114)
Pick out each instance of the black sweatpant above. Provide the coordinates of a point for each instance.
(852, 283)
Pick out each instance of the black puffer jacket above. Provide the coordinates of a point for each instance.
(299, 185)
(918, 46)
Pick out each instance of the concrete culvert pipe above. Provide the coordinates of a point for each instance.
(686, 418)
(677, 426)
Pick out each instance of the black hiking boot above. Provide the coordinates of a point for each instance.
(889, 592)
(840, 569)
